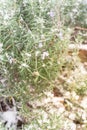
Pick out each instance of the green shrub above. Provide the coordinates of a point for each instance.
(74, 13)
(32, 42)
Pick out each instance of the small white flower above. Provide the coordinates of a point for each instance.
(40, 1)
(75, 10)
(28, 54)
(60, 35)
(11, 60)
(43, 65)
(42, 37)
(40, 45)
(51, 13)
(25, 2)
(44, 55)
(1, 45)
(6, 16)
(24, 65)
(37, 53)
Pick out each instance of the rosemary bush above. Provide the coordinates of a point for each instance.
(31, 39)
